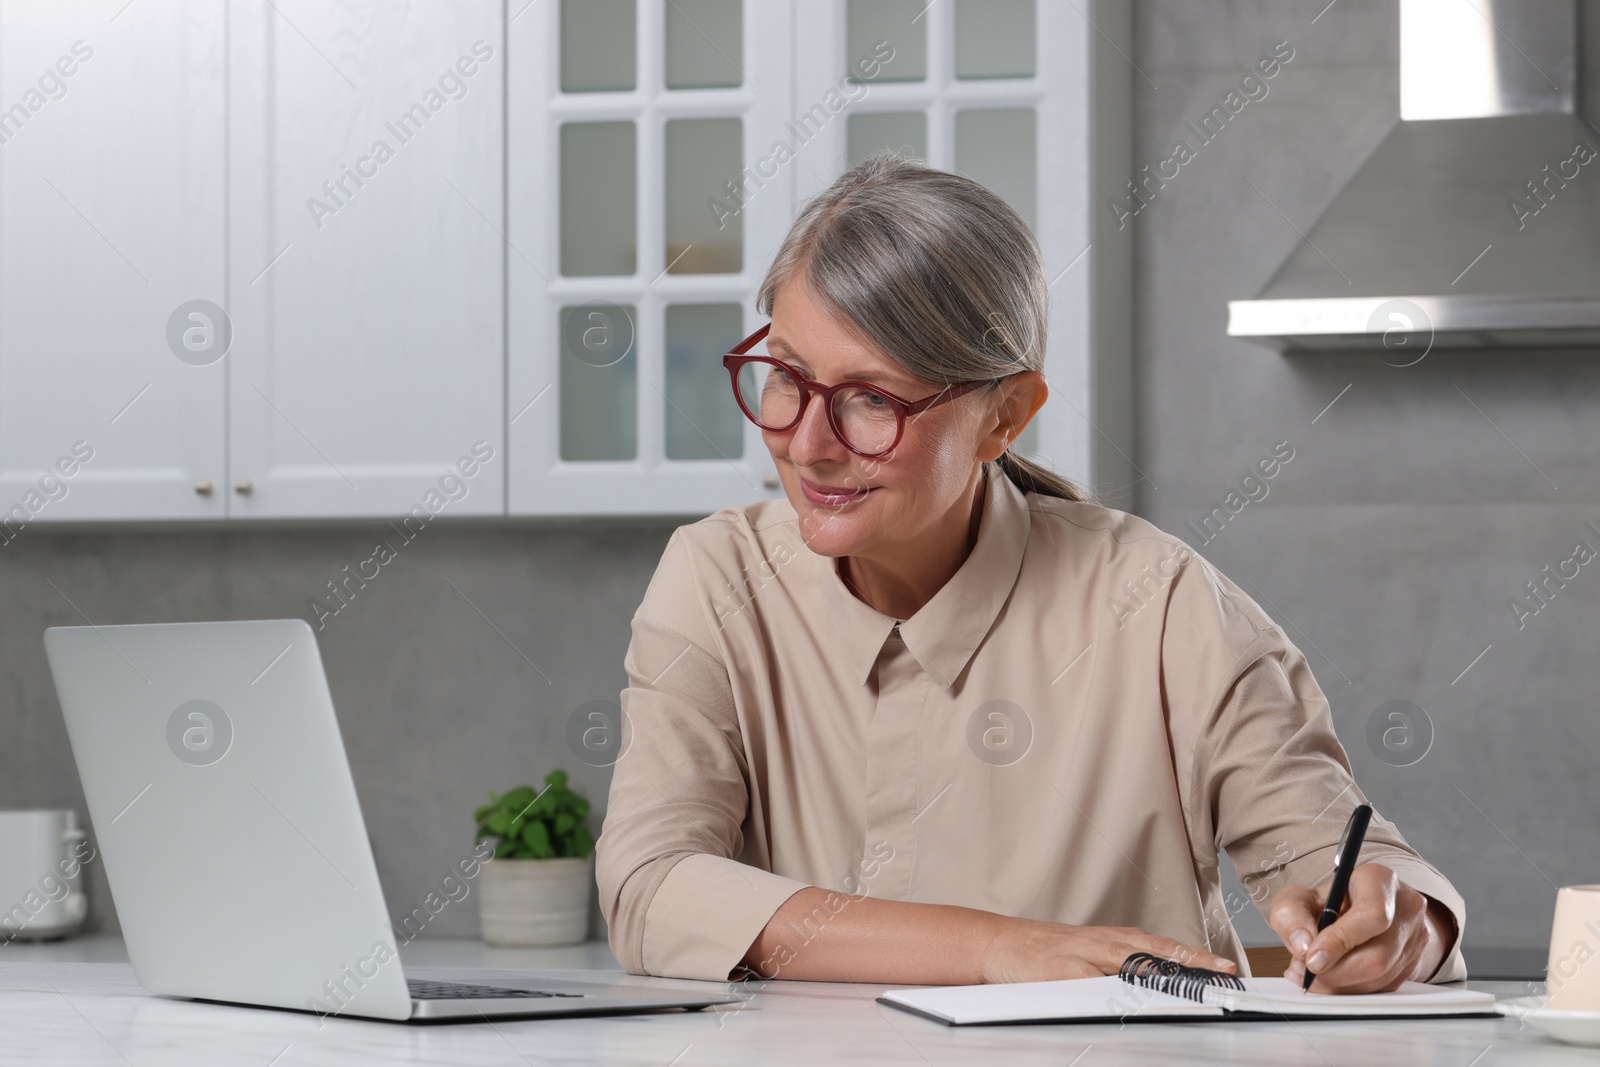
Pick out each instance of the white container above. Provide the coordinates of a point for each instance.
(41, 860)
(535, 902)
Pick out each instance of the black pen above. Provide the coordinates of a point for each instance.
(1355, 831)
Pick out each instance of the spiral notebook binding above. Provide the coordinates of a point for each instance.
(1170, 976)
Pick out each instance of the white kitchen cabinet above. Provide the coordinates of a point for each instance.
(519, 234)
(365, 258)
(111, 216)
(232, 153)
(634, 264)
(999, 90)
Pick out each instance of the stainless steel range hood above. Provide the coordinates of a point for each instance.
(1476, 221)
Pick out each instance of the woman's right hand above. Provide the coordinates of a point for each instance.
(1030, 950)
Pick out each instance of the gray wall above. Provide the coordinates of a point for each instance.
(436, 707)
(1407, 520)
(1392, 541)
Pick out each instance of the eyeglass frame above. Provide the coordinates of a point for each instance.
(736, 359)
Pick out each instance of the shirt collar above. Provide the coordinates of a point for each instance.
(946, 631)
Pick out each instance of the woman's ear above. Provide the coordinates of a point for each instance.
(1014, 404)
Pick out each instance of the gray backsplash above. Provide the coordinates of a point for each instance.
(1415, 508)
(442, 694)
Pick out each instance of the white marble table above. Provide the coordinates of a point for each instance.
(76, 1002)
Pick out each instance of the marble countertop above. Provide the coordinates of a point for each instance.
(76, 1002)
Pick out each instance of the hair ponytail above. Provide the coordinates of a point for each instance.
(1030, 477)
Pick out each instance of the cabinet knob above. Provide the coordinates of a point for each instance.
(244, 487)
(203, 487)
(770, 482)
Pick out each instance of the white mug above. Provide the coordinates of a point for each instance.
(41, 858)
(1572, 979)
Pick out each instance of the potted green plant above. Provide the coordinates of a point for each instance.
(536, 889)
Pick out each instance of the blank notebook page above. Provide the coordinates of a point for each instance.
(1109, 997)
(1412, 998)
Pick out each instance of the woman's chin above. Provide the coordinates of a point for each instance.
(828, 533)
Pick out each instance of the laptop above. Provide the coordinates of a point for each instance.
(226, 816)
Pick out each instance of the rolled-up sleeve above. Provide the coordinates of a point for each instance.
(1268, 780)
(676, 897)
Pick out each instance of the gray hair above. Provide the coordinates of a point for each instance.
(936, 271)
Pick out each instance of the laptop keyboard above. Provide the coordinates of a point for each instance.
(425, 990)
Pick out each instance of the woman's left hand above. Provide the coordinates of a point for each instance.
(1387, 933)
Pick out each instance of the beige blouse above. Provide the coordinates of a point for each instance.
(1069, 730)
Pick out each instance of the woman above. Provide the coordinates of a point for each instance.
(937, 718)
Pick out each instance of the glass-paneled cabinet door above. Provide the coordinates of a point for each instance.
(998, 90)
(645, 199)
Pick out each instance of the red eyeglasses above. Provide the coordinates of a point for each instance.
(866, 419)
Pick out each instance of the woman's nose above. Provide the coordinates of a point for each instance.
(813, 440)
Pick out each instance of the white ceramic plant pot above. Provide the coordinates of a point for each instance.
(535, 902)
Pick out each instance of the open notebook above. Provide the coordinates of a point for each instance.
(1150, 989)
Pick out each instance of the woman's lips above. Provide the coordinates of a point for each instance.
(832, 495)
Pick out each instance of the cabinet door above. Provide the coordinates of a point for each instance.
(645, 204)
(111, 223)
(366, 260)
